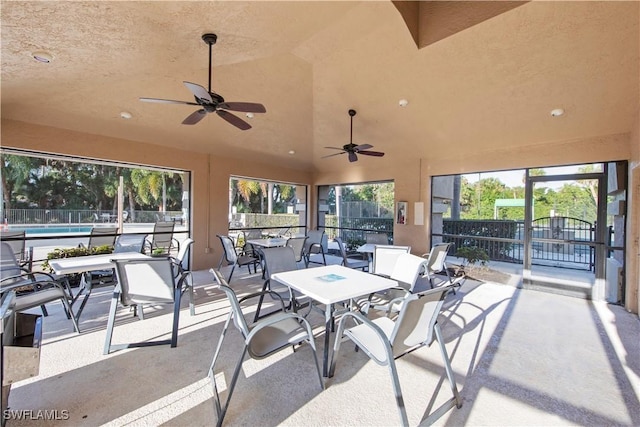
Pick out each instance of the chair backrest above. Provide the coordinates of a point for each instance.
(184, 248)
(377, 238)
(229, 249)
(385, 256)
(236, 311)
(253, 234)
(17, 242)
(314, 237)
(414, 325)
(278, 260)
(341, 248)
(147, 281)
(437, 257)
(9, 265)
(297, 244)
(102, 236)
(129, 243)
(163, 234)
(407, 269)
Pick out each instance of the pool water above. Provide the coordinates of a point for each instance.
(53, 230)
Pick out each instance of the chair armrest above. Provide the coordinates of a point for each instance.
(257, 294)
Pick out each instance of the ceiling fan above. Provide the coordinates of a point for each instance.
(211, 102)
(352, 149)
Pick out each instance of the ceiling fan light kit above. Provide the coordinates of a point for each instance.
(211, 102)
(352, 149)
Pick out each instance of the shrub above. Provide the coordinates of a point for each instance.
(473, 254)
(74, 252)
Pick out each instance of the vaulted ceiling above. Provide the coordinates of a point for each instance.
(482, 84)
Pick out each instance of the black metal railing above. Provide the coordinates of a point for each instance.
(555, 240)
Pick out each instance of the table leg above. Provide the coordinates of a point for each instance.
(328, 320)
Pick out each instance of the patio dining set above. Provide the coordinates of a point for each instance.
(386, 300)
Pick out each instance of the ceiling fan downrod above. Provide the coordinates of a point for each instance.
(210, 39)
(351, 113)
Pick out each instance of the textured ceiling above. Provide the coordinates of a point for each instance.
(487, 87)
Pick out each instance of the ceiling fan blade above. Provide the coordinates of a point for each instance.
(372, 153)
(331, 155)
(199, 92)
(234, 120)
(335, 148)
(194, 117)
(352, 156)
(245, 107)
(167, 101)
(361, 147)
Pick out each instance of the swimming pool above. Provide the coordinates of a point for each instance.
(52, 230)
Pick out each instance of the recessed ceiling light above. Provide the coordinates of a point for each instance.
(44, 57)
(403, 102)
(126, 115)
(250, 115)
(292, 152)
(557, 112)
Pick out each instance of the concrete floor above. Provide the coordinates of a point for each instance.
(520, 357)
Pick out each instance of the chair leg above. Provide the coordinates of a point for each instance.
(260, 300)
(111, 322)
(176, 317)
(231, 274)
(398, 393)
(69, 312)
(447, 366)
(232, 385)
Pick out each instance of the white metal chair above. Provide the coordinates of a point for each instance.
(384, 258)
(101, 236)
(407, 270)
(146, 281)
(17, 241)
(261, 339)
(181, 267)
(297, 244)
(313, 245)
(436, 265)
(33, 289)
(350, 261)
(231, 257)
(278, 260)
(385, 340)
(377, 238)
(162, 238)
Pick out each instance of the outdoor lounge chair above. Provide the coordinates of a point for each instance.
(17, 241)
(350, 260)
(101, 236)
(278, 260)
(297, 244)
(436, 265)
(377, 238)
(385, 257)
(146, 281)
(385, 340)
(162, 238)
(407, 270)
(314, 245)
(33, 289)
(231, 257)
(261, 339)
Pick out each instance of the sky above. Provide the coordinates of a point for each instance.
(514, 178)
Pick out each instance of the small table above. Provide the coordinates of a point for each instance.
(367, 248)
(87, 264)
(331, 284)
(272, 242)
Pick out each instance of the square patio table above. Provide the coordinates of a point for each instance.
(272, 242)
(329, 285)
